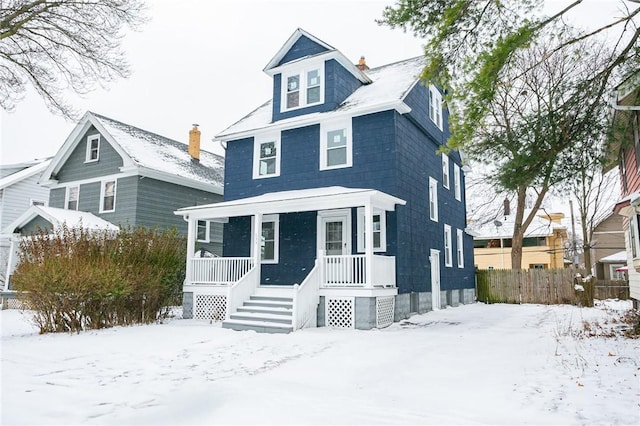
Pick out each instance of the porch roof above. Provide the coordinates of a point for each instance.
(332, 197)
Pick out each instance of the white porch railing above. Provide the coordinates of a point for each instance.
(306, 299)
(242, 291)
(350, 271)
(219, 270)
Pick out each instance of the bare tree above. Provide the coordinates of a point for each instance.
(60, 45)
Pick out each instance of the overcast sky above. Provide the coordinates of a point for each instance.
(201, 62)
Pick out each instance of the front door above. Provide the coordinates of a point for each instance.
(334, 233)
(434, 258)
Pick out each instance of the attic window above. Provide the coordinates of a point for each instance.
(302, 87)
(93, 148)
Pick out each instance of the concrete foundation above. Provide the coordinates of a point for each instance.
(187, 305)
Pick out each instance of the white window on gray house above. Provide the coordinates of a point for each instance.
(93, 148)
(457, 182)
(108, 196)
(266, 162)
(435, 106)
(269, 244)
(73, 196)
(433, 199)
(293, 91)
(447, 246)
(379, 231)
(460, 247)
(445, 171)
(336, 145)
(203, 231)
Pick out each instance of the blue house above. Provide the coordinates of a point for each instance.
(338, 209)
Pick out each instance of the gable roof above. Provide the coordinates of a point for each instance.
(299, 32)
(57, 217)
(147, 153)
(25, 173)
(389, 86)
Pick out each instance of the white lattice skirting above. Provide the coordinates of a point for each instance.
(210, 307)
(340, 312)
(384, 311)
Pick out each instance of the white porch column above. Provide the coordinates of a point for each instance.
(368, 243)
(192, 228)
(257, 242)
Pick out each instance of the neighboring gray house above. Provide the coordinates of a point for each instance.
(130, 177)
(19, 190)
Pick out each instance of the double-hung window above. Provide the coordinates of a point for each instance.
(460, 247)
(73, 196)
(204, 231)
(435, 106)
(447, 246)
(266, 156)
(108, 196)
(302, 87)
(634, 236)
(433, 199)
(336, 145)
(445, 171)
(93, 148)
(457, 182)
(269, 244)
(379, 231)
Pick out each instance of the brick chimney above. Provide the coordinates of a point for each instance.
(362, 64)
(194, 143)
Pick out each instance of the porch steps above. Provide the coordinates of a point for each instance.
(263, 313)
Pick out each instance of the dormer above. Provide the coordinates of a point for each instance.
(310, 76)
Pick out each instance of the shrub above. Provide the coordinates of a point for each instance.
(77, 279)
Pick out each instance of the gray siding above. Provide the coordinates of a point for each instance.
(35, 225)
(56, 198)
(88, 198)
(75, 168)
(126, 194)
(16, 199)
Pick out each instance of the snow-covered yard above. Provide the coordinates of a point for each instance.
(474, 364)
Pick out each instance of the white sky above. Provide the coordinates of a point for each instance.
(201, 62)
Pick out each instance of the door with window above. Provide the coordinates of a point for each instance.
(334, 241)
(434, 258)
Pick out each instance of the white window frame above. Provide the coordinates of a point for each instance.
(275, 218)
(89, 151)
(457, 182)
(433, 199)
(460, 247)
(615, 275)
(103, 188)
(633, 236)
(257, 142)
(382, 231)
(207, 230)
(435, 106)
(68, 194)
(448, 252)
(303, 85)
(445, 171)
(326, 127)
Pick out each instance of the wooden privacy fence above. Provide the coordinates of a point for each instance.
(607, 289)
(545, 286)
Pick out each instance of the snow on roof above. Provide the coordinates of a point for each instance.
(389, 83)
(165, 155)
(57, 217)
(503, 226)
(25, 173)
(619, 257)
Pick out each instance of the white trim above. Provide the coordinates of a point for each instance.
(275, 218)
(360, 230)
(457, 182)
(459, 248)
(435, 106)
(207, 230)
(446, 171)
(293, 38)
(66, 197)
(90, 139)
(333, 125)
(301, 70)
(448, 250)
(103, 185)
(258, 141)
(436, 276)
(323, 215)
(23, 174)
(433, 199)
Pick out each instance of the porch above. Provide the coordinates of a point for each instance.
(219, 288)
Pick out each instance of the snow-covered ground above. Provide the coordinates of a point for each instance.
(474, 364)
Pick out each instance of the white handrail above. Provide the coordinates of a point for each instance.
(306, 299)
(350, 271)
(219, 270)
(242, 290)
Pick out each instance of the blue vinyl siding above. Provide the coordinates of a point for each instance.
(304, 46)
(75, 168)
